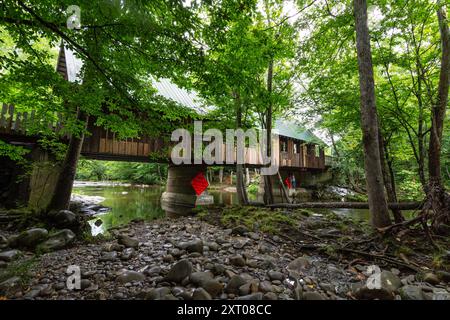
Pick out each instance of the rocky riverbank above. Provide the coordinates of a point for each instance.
(190, 258)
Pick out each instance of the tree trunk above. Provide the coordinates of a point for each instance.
(388, 177)
(369, 124)
(436, 192)
(438, 111)
(63, 189)
(221, 175)
(268, 188)
(240, 182)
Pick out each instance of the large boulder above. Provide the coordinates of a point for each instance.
(29, 238)
(57, 241)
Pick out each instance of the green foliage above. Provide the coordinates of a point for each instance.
(145, 173)
(15, 153)
(406, 58)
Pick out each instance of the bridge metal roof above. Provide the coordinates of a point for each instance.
(294, 130)
(164, 86)
(190, 99)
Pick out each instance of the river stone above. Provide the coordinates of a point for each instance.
(253, 296)
(265, 286)
(237, 260)
(379, 286)
(234, 284)
(3, 240)
(440, 294)
(443, 276)
(193, 246)
(58, 240)
(128, 241)
(108, 256)
(127, 254)
(157, 293)
(249, 287)
(270, 296)
(409, 292)
(299, 264)
(130, 276)
(240, 230)
(9, 255)
(201, 294)
(431, 278)
(168, 258)
(153, 271)
(218, 269)
(275, 275)
(65, 218)
(213, 287)
(198, 278)
(179, 271)
(213, 246)
(9, 284)
(29, 238)
(312, 296)
(113, 247)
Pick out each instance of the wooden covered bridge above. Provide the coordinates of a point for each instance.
(300, 151)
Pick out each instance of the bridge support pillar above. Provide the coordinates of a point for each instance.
(30, 185)
(180, 197)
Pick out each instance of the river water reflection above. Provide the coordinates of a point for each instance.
(129, 202)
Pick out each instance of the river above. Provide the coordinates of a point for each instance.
(130, 202)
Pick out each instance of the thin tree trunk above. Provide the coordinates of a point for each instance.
(388, 178)
(268, 188)
(240, 183)
(221, 175)
(63, 189)
(369, 124)
(421, 135)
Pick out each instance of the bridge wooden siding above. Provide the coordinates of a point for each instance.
(101, 144)
(16, 123)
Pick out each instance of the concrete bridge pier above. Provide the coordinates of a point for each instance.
(179, 198)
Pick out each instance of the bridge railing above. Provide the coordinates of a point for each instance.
(14, 122)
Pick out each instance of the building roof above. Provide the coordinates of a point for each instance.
(294, 130)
